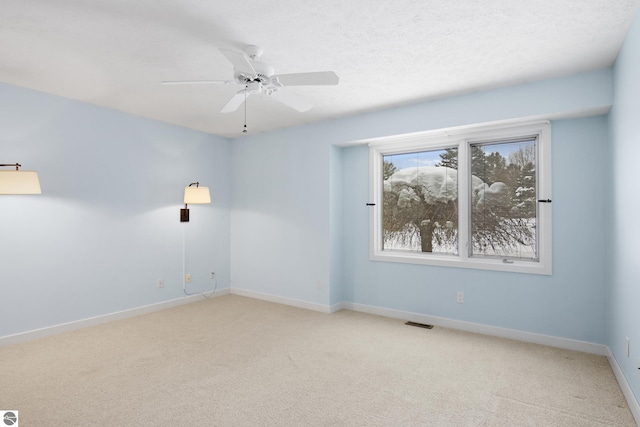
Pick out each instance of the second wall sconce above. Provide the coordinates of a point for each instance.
(194, 196)
(17, 181)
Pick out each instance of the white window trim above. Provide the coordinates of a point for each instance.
(463, 137)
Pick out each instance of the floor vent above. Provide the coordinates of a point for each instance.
(419, 325)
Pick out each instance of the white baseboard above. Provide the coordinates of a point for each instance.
(513, 334)
(397, 314)
(98, 320)
(339, 306)
(564, 343)
(634, 406)
(282, 300)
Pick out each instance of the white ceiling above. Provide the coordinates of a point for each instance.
(115, 53)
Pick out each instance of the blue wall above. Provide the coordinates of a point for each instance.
(337, 216)
(295, 194)
(280, 220)
(106, 226)
(624, 297)
(567, 304)
(287, 219)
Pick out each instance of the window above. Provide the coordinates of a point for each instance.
(472, 198)
(420, 202)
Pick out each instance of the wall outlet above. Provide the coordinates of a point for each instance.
(212, 275)
(460, 297)
(319, 284)
(188, 278)
(160, 283)
(627, 345)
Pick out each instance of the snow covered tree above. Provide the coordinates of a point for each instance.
(421, 201)
(497, 225)
(524, 193)
(421, 204)
(497, 228)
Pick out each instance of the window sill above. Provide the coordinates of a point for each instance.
(528, 267)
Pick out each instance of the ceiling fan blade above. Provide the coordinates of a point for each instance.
(235, 102)
(304, 79)
(198, 82)
(240, 62)
(291, 100)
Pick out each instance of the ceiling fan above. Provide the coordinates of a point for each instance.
(259, 78)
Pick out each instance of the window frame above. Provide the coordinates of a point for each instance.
(463, 138)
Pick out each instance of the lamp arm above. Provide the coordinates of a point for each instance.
(17, 165)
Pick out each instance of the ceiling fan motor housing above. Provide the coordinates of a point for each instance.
(263, 74)
(253, 88)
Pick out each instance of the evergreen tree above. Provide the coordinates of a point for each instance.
(449, 158)
(524, 192)
(388, 169)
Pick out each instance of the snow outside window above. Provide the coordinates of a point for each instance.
(420, 202)
(472, 198)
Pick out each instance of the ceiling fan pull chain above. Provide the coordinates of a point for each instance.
(245, 109)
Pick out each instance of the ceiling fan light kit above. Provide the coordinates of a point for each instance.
(257, 78)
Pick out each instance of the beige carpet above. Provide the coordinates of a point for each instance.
(234, 361)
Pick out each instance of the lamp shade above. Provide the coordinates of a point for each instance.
(196, 195)
(19, 182)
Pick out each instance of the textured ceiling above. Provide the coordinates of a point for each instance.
(115, 53)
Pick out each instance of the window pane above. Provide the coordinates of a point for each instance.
(420, 202)
(504, 217)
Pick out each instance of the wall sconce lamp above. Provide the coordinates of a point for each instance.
(17, 181)
(194, 196)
